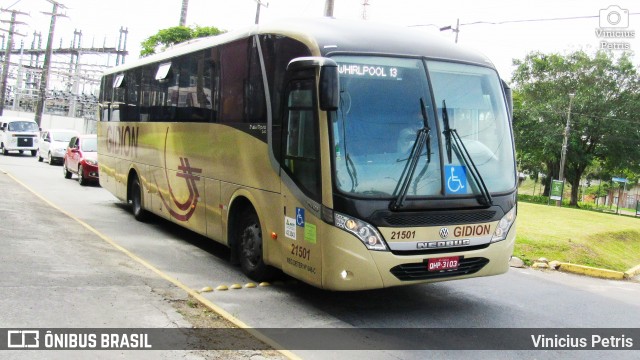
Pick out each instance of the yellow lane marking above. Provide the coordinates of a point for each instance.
(237, 322)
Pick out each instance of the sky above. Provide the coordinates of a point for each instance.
(100, 21)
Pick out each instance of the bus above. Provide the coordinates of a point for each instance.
(348, 155)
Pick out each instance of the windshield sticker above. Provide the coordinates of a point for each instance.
(290, 227)
(456, 177)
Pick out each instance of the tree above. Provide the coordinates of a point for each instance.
(604, 125)
(175, 35)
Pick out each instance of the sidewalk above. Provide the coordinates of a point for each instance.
(58, 274)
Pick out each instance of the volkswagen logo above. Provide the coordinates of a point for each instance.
(444, 232)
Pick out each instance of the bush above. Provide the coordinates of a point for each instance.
(536, 199)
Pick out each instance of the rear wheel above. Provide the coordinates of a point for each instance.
(139, 213)
(67, 173)
(249, 238)
(50, 159)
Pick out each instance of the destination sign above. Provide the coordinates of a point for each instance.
(370, 71)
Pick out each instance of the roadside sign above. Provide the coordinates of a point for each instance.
(557, 187)
(620, 180)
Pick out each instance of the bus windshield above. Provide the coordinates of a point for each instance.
(386, 103)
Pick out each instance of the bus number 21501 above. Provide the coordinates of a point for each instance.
(403, 235)
(301, 252)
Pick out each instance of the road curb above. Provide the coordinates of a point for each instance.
(591, 271)
(634, 271)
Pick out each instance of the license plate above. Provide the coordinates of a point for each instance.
(443, 263)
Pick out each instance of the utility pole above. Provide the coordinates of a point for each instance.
(183, 13)
(328, 8)
(7, 55)
(564, 147)
(42, 95)
(456, 30)
(260, 4)
(364, 9)
(122, 45)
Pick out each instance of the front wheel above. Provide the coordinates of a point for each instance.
(40, 158)
(139, 213)
(34, 152)
(81, 179)
(250, 248)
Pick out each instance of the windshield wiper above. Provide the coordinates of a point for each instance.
(452, 137)
(351, 170)
(423, 138)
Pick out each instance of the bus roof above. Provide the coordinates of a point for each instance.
(327, 36)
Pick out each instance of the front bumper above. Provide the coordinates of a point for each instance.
(379, 269)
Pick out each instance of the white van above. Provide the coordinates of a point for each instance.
(18, 134)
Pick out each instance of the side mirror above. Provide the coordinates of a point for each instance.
(329, 88)
(329, 84)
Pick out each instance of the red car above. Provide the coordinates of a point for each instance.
(81, 158)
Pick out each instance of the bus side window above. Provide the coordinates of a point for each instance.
(301, 158)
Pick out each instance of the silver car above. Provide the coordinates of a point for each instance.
(53, 144)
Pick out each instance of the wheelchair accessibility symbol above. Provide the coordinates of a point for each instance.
(456, 177)
(300, 217)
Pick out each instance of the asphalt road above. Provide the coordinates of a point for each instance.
(522, 298)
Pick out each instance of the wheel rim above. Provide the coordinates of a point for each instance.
(50, 158)
(251, 245)
(80, 175)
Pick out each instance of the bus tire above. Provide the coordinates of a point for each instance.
(139, 213)
(249, 244)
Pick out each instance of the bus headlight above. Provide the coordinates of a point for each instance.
(363, 231)
(504, 225)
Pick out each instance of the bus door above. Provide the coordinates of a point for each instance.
(301, 180)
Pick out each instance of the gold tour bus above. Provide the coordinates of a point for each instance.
(348, 155)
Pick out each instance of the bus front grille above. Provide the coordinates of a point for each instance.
(387, 218)
(419, 271)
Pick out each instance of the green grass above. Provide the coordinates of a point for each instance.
(576, 236)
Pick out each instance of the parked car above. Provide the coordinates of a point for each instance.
(18, 134)
(81, 158)
(53, 144)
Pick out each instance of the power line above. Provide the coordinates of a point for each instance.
(535, 20)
